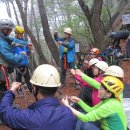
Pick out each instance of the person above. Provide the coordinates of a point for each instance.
(79, 61)
(46, 113)
(7, 56)
(86, 90)
(98, 68)
(94, 53)
(109, 111)
(127, 47)
(67, 53)
(89, 94)
(116, 37)
(22, 69)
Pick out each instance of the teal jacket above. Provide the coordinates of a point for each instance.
(71, 49)
(6, 51)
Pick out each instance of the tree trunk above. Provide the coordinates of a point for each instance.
(35, 24)
(49, 40)
(8, 8)
(26, 13)
(93, 17)
(31, 17)
(42, 58)
(109, 25)
(118, 21)
(16, 16)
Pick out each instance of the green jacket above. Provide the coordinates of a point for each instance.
(93, 83)
(109, 112)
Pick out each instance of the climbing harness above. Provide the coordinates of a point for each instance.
(4, 74)
(65, 61)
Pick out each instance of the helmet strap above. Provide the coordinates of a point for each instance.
(6, 34)
(105, 96)
(35, 92)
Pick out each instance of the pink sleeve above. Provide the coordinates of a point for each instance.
(99, 58)
(82, 82)
(99, 79)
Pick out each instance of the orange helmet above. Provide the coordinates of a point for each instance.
(95, 51)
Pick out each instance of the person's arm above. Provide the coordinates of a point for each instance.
(57, 38)
(96, 114)
(22, 42)
(69, 45)
(81, 81)
(7, 55)
(28, 50)
(93, 83)
(13, 117)
(84, 106)
(87, 108)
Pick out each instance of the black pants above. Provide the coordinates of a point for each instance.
(2, 88)
(63, 71)
(86, 95)
(128, 49)
(26, 75)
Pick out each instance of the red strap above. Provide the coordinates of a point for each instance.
(65, 62)
(6, 78)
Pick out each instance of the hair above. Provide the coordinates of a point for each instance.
(121, 79)
(112, 94)
(45, 91)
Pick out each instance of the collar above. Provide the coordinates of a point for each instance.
(46, 101)
(5, 38)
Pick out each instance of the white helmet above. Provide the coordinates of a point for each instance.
(6, 23)
(115, 71)
(68, 30)
(102, 65)
(93, 61)
(46, 76)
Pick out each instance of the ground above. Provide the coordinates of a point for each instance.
(28, 99)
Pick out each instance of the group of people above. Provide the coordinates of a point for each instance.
(14, 52)
(100, 97)
(116, 38)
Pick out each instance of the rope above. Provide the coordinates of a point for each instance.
(22, 73)
(6, 78)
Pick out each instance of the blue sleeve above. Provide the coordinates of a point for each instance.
(18, 41)
(7, 54)
(27, 50)
(58, 39)
(70, 44)
(13, 117)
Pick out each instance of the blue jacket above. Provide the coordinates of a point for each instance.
(71, 49)
(18, 50)
(6, 51)
(122, 34)
(128, 48)
(46, 114)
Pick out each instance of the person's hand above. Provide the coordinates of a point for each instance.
(65, 101)
(72, 71)
(15, 86)
(129, 37)
(23, 52)
(74, 99)
(79, 72)
(30, 46)
(60, 42)
(55, 34)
